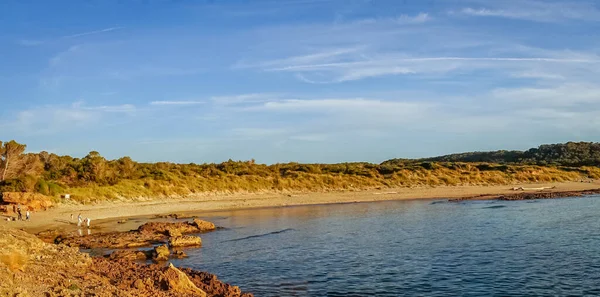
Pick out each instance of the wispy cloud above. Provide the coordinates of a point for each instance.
(400, 20)
(91, 32)
(58, 58)
(244, 99)
(346, 68)
(566, 94)
(55, 119)
(540, 11)
(42, 41)
(177, 102)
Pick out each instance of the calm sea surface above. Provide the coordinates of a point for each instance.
(415, 248)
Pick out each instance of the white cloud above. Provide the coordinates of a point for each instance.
(347, 106)
(177, 102)
(342, 68)
(55, 119)
(567, 94)
(92, 32)
(400, 20)
(244, 99)
(540, 11)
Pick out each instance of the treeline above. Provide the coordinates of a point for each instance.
(94, 177)
(572, 154)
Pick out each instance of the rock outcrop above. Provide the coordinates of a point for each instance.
(28, 201)
(146, 235)
(161, 253)
(185, 240)
(204, 226)
(167, 228)
(31, 267)
(175, 280)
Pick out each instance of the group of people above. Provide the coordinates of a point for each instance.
(80, 221)
(17, 210)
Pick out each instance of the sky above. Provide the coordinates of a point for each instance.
(297, 80)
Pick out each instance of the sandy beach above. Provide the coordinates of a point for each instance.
(59, 216)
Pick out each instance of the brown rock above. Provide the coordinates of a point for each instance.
(28, 201)
(177, 281)
(161, 253)
(173, 233)
(178, 254)
(204, 225)
(186, 240)
(129, 255)
(165, 227)
(139, 284)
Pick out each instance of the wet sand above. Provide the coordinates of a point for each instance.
(59, 217)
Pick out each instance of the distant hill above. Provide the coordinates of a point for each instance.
(571, 154)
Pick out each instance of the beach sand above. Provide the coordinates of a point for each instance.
(59, 217)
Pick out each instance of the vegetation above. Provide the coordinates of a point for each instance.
(95, 178)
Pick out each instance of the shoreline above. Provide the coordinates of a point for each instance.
(59, 217)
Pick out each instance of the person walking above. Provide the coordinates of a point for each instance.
(79, 220)
(88, 222)
(27, 216)
(20, 215)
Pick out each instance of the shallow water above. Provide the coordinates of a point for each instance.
(475, 248)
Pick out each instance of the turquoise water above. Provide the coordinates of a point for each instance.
(427, 248)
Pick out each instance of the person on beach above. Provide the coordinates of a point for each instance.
(88, 222)
(71, 217)
(27, 216)
(20, 215)
(14, 208)
(79, 220)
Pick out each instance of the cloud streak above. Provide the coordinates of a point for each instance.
(91, 32)
(179, 103)
(537, 11)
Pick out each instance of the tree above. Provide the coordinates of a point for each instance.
(10, 152)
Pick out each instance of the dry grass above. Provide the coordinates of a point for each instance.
(313, 180)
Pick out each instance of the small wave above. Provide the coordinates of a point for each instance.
(495, 206)
(439, 201)
(260, 235)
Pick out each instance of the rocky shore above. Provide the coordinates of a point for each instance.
(531, 195)
(32, 267)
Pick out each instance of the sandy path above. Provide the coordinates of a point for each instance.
(60, 216)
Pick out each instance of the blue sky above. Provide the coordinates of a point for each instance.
(297, 80)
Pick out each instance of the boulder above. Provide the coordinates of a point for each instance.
(28, 201)
(204, 225)
(175, 280)
(173, 233)
(177, 254)
(186, 240)
(161, 253)
(130, 255)
(167, 227)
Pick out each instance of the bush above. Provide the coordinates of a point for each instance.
(42, 187)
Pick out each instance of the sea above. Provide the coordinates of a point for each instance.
(408, 248)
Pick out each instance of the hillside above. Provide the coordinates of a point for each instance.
(574, 154)
(95, 178)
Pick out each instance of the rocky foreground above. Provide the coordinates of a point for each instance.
(32, 267)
